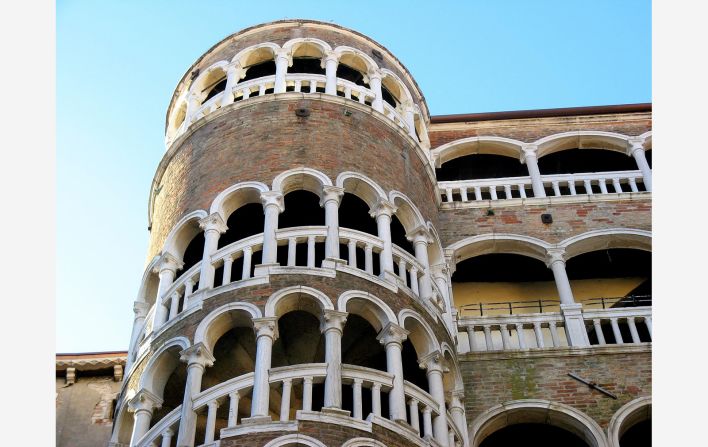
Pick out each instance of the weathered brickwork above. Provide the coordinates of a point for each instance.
(232, 149)
(569, 220)
(531, 129)
(494, 379)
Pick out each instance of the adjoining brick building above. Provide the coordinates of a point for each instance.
(329, 265)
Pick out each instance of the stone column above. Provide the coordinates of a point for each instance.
(272, 207)
(213, 226)
(457, 409)
(140, 309)
(166, 268)
(197, 358)
(266, 334)
(572, 312)
(331, 198)
(421, 238)
(383, 211)
(192, 107)
(331, 62)
(432, 363)
(332, 327)
(636, 149)
(375, 84)
(392, 337)
(233, 74)
(142, 404)
(409, 110)
(442, 277)
(283, 60)
(529, 157)
(167, 438)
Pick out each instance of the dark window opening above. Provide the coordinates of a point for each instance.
(300, 340)
(235, 354)
(307, 65)
(242, 223)
(354, 214)
(521, 434)
(638, 435)
(388, 97)
(302, 208)
(260, 70)
(218, 88)
(192, 254)
(501, 267)
(359, 344)
(351, 74)
(481, 166)
(173, 394)
(398, 236)
(574, 161)
(411, 370)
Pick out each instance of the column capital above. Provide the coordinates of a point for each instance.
(331, 193)
(554, 255)
(374, 73)
(141, 309)
(213, 221)
(197, 354)
(457, 395)
(528, 151)
(333, 320)
(284, 53)
(330, 55)
(382, 207)
(419, 235)
(432, 362)
(634, 144)
(266, 327)
(273, 198)
(441, 269)
(392, 333)
(144, 400)
(168, 262)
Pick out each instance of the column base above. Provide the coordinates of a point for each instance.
(263, 269)
(336, 411)
(575, 330)
(332, 263)
(256, 420)
(388, 275)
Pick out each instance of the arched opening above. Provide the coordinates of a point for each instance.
(612, 278)
(168, 377)
(573, 161)
(637, 435)
(212, 84)
(398, 236)
(245, 221)
(354, 215)
(527, 433)
(302, 208)
(481, 166)
(503, 283)
(192, 254)
(361, 348)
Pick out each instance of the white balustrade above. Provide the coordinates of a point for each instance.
(176, 298)
(521, 187)
(244, 249)
(372, 246)
(225, 393)
(164, 428)
(301, 238)
(355, 92)
(631, 317)
(513, 332)
(409, 269)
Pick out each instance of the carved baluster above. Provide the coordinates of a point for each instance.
(292, 251)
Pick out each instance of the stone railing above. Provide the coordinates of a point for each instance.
(176, 299)
(408, 269)
(225, 257)
(546, 330)
(165, 428)
(309, 236)
(372, 245)
(470, 191)
(295, 82)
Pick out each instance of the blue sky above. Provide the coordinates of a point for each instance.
(118, 63)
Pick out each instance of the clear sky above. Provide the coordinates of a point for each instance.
(118, 63)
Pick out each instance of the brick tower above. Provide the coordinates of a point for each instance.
(322, 258)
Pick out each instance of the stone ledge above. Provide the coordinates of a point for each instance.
(557, 352)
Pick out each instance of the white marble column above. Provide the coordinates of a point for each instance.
(272, 207)
(421, 238)
(233, 74)
(142, 404)
(375, 84)
(167, 438)
(283, 60)
(382, 212)
(457, 409)
(442, 277)
(572, 312)
(331, 62)
(636, 150)
(409, 111)
(198, 358)
(392, 337)
(213, 226)
(140, 309)
(266, 334)
(192, 107)
(332, 327)
(166, 268)
(432, 363)
(331, 198)
(529, 157)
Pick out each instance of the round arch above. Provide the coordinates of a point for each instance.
(297, 298)
(406, 211)
(362, 187)
(540, 412)
(498, 243)
(207, 77)
(646, 138)
(506, 147)
(301, 178)
(420, 334)
(629, 414)
(161, 365)
(256, 54)
(371, 308)
(301, 46)
(581, 139)
(605, 239)
(182, 233)
(220, 320)
(356, 59)
(149, 282)
(295, 439)
(394, 85)
(235, 196)
(363, 442)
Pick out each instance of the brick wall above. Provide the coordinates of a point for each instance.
(491, 379)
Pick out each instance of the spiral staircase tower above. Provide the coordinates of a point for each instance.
(296, 290)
